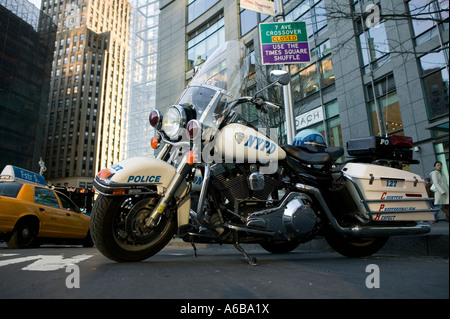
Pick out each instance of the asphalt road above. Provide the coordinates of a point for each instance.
(218, 273)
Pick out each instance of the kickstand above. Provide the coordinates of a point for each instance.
(193, 246)
(251, 261)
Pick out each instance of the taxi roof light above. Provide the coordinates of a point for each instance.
(17, 174)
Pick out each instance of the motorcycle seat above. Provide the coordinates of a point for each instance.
(314, 155)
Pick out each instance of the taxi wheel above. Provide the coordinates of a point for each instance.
(24, 234)
(87, 241)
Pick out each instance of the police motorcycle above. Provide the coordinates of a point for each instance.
(217, 179)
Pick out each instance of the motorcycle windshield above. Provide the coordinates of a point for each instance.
(219, 81)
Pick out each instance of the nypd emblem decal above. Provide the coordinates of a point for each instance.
(239, 137)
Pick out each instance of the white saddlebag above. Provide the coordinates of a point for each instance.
(388, 194)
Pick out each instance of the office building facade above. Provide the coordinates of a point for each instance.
(369, 74)
(141, 88)
(25, 64)
(87, 90)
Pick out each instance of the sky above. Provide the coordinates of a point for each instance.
(37, 3)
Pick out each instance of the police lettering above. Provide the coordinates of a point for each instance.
(261, 144)
(143, 179)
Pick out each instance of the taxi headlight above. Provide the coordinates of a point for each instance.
(173, 121)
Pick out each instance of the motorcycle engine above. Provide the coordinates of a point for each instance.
(247, 193)
(294, 218)
(234, 181)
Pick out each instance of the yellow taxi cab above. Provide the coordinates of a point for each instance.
(32, 214)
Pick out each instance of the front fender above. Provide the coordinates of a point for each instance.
(139, 176)
(134, 174)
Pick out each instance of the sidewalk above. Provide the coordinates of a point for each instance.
(435, 243)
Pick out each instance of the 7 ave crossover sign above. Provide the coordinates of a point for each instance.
(284, 43)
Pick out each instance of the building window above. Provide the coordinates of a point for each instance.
(326, 64)
(425, 14)
(435, 80)
(197, 7)
(319, 72)
(307, 81)
(384, 109)
(334, 133)
(313, 13)
(204, 43)
(373, 44)
(250, 20)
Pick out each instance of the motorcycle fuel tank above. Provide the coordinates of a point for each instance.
(237, 142)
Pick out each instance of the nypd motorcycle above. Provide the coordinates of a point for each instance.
(217, 179)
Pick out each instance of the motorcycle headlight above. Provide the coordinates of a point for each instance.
(173, 121)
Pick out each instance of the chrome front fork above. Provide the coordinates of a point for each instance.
(182, 170)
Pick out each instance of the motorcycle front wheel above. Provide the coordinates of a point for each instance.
(351, 246)
(118, 228)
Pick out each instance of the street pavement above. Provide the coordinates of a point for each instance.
(408, 267)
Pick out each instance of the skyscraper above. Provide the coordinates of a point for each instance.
(25, 63)
(87, 90)
(142, 54)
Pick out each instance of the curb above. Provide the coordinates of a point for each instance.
(433, 244)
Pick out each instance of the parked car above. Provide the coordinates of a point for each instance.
(32, 214)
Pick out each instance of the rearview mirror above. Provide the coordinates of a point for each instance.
(280, 76)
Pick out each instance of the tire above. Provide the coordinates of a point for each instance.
(24, 234)
(117, 228)
(87, 241)
(280, 247)
(354, 247)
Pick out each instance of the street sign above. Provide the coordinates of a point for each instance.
(284, 42)
(261, 6)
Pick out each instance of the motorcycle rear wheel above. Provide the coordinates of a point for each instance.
(118, 231)
(354, 247)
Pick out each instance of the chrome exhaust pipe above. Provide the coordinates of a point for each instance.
(372, 231)
(361, 230)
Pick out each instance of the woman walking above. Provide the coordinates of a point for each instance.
(440, 182)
